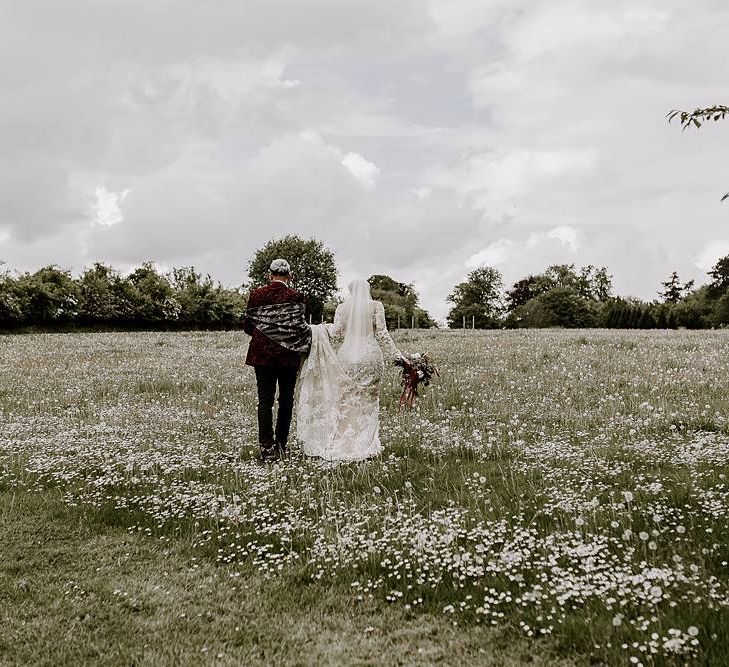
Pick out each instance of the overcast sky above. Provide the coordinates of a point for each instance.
(417, 138)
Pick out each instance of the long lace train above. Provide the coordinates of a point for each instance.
(339, 398)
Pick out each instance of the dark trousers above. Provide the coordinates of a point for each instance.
(266, 379)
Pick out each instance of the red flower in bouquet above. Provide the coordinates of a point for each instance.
(417, 370)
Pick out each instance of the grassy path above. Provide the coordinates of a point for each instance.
(75, 591)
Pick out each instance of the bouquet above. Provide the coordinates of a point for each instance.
(417, 370)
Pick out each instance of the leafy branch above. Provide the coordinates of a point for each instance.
(697, 118)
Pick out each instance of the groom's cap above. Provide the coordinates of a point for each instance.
(280, 267)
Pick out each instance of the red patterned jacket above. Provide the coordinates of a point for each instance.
(262, 351)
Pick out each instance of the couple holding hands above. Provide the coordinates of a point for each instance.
(343, 364)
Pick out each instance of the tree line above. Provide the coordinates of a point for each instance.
(565, 296)
(183, 298)
(102, 298)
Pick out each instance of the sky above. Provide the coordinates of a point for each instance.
(417, 138)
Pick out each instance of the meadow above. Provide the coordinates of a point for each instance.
(556, 497)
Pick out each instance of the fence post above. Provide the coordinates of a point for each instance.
(473, 322)
(464, 323)
(398, 321)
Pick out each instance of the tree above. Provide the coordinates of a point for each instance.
(400, 301)
(698, 117)
(478, 299)
(694, 312)
(47, 297)
(11, 311)
(526, 289)
(559, 307)
(720, 314)
(387, 284)
(563, 275)
(673, 290)
(227, 308)
(104, 296)
(595, 283)
(647, 318)
(153, 299)
(720, 277)
(613, 313)
(563, 307)
(194, 293)
(203, 303)
(312, 263)
(590, 283)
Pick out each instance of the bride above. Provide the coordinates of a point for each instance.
(339, 401)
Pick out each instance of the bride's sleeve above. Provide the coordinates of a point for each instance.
(383, 335)
(336, 330)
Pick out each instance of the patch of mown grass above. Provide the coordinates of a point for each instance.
(75, 591)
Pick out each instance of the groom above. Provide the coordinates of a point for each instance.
(276, 323)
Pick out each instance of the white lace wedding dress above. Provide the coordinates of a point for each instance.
(339, 400)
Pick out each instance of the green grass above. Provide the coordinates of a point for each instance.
(75, 590)
(125, 456)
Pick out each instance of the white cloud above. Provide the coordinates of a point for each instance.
(106, 209)
(363, 170)
(711, 253)
(496, 182)
(495, 254)
(567, 236)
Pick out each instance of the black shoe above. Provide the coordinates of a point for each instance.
(281, 449)
(268, 453)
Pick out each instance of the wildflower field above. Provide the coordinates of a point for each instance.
(556, 497)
